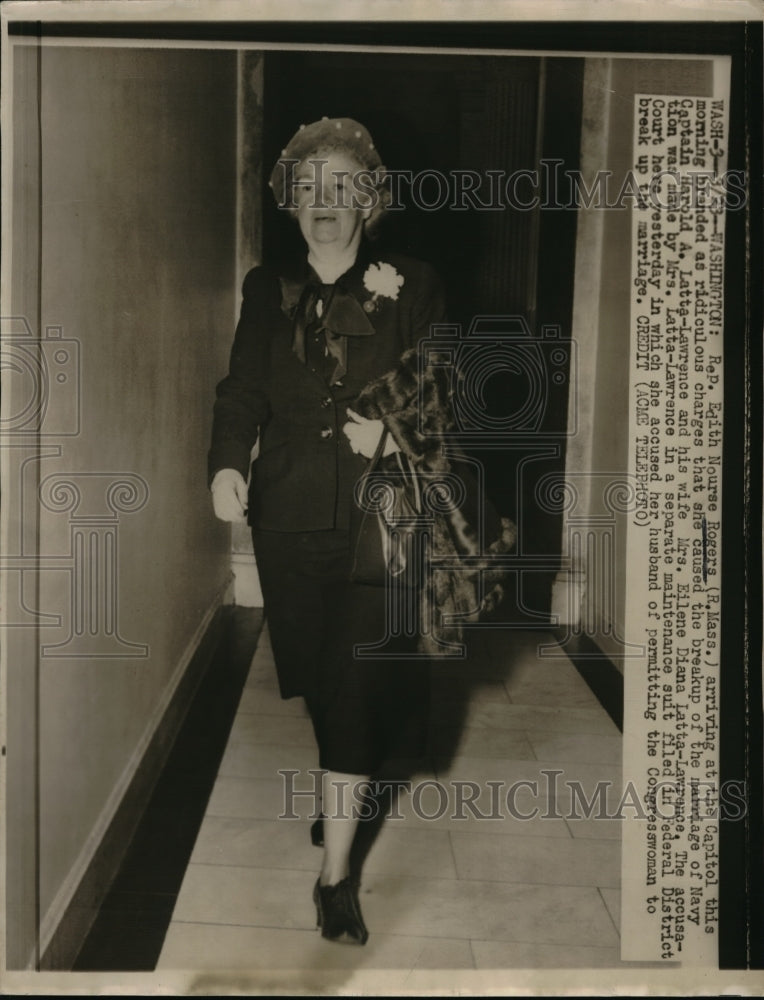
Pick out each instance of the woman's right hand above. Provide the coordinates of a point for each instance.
(229, 495)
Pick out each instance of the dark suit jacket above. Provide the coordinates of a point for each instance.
(303, 477)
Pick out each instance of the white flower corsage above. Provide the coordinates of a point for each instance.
(381, 279)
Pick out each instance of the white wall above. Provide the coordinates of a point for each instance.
(138, 267)
(598, 454)
(19, 444)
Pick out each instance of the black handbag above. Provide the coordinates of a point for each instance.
(387, 521)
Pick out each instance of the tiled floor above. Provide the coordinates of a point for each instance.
(129, 930)
(457, 891)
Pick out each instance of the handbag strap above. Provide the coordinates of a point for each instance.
(377, 456)
(408, 470)
(404, 464)
(373, 463)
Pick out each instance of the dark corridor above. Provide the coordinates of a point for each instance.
(515, 124)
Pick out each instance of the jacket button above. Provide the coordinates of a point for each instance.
(326, 433)
(327, 401)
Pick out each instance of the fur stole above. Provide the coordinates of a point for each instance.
(414, 402)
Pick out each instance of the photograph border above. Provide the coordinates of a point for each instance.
(741, 747)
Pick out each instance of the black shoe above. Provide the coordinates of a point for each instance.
(338, 912)
(317, 832)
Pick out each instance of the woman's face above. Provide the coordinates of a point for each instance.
(330, 209)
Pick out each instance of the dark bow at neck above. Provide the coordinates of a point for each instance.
(343, 314)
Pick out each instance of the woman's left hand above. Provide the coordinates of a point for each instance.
(364, 434)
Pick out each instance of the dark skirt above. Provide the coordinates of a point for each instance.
(366, 709)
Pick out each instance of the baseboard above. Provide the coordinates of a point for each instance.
(567, 594)
(246, 581)
(613, 648)
(71, 914)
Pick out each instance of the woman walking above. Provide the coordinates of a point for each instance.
(313, 348)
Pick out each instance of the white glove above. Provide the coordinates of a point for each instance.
(364, 435)
(229, 495)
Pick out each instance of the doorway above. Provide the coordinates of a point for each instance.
(505, 253)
